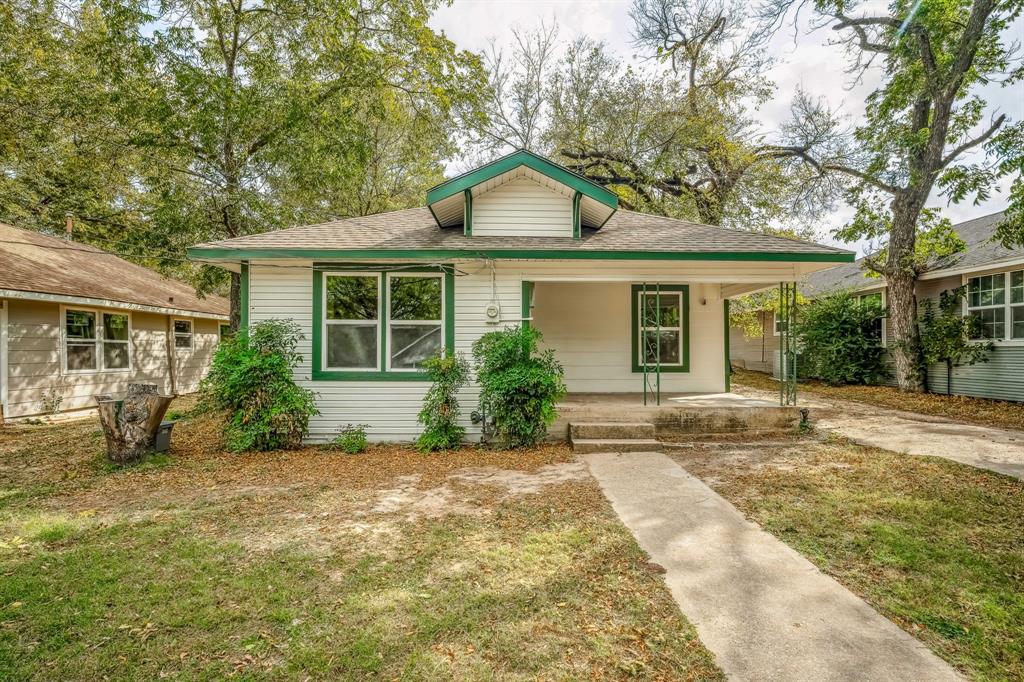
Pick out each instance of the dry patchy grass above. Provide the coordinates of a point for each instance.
(959, 408)
(936, 546)
(320, 565)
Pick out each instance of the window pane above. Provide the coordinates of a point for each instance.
(1017, 330)
(670, 312)
(1017, 287)
(182, 340)
(992, 322)
(182, 326)
(81, 356)
(115, 327)
(411, 344)
(415, 298)
(79, 324)
(670, 347)
(352, 346)
(351, 298)
(115, 355)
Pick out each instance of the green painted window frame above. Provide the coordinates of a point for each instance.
(684, 291)
(383, 373)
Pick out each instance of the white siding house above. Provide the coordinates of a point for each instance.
(519, 241)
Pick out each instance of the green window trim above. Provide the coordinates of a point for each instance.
(382, 374)
(635, 292)
(526, 309)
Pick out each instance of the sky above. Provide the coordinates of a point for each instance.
(806, 60)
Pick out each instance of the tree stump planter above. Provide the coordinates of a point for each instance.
(130, 424)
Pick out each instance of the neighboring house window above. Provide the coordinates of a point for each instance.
(998, 302)
(96, 342)
(381, 324)
(661, 328)
(116, 341)
(80, 340)
(415, 319)
(183, 336)
(877, 331)
(224, 332)
(778, 325)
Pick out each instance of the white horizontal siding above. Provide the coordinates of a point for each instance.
(522, 207)
(587, 324)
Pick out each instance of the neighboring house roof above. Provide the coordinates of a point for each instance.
(981, 253)
(39, 266)
(413, 233)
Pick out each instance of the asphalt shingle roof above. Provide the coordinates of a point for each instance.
(415, 228)
(33, 262)
(981, 252)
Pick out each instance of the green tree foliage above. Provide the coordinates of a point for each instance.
(921, 121)
(839, 341)
(946, 335)
(676, 135)
(440, 413)
(164, 124)
(519, 384)
(251, 378)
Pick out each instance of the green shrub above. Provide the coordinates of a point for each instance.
(949, 337)
(440, 413)
(251, 378)
(351, 438)
(519, 384)
(839, 340)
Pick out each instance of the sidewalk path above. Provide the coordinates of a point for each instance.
(765, 611)
(984, 447)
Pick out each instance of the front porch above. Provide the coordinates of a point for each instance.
(678, 415)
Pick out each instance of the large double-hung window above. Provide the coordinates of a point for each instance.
(380, 325)
(998, 302)
(95, 341)
(661, 327)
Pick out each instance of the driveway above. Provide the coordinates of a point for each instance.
(985, 447)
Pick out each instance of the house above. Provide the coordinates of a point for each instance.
(994, 277)
(76, 321)
(520, 240)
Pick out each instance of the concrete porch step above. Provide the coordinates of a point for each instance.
(587, 445)
(614, 430)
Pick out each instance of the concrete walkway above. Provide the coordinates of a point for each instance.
(984, 447)
(766, 612)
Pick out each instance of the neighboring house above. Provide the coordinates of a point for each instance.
(994, 277)
(76, 321)
(519, 240)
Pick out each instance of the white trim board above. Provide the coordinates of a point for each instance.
(105, 303)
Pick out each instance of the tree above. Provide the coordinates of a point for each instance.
(236, 117)
(675, 135)
(920, 122)
(947, 335)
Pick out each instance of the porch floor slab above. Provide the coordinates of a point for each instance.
(575, 400)
(764, 611)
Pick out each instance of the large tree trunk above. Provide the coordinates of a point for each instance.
(236, 301)
(901, 278)
(130, 424)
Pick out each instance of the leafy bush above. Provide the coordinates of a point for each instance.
(351, 438)
(839, 340)
(946, 335)
(251, 377)
(519, 384)
(440, 413)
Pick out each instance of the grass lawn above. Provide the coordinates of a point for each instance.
(956, 407)
(319, 565)
(936, 546)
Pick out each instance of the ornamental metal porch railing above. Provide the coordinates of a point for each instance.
(787, 343)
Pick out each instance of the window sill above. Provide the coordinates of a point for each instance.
(339, 375)
(679, 369)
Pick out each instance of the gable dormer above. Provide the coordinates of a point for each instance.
(521, 194)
